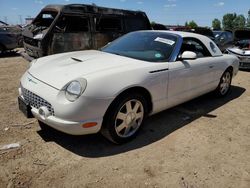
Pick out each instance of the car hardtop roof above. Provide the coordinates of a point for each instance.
(204, 39)
(182, 34)
(84, 8)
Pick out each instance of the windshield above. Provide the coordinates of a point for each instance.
(217, 33)
(146, 46)
(45, 19)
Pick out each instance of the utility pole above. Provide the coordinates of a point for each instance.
(20, 19)
(5, 19)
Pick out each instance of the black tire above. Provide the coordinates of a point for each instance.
(2, 49)
(112, 122)
(225, 84)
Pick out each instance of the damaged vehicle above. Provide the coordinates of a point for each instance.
(64, 28)
(223, 39)
(10, 37)
(241, 48)
(114, 89)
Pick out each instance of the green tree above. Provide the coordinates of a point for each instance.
(239, 22)
(228, 21)
(192, 24)
(216, 24)
(153, 23)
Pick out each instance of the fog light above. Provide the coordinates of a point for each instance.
(19, 91)
(44, 112)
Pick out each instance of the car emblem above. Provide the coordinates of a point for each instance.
(30, 80)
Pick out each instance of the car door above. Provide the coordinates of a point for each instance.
(190, 78)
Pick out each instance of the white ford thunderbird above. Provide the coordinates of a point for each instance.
(113, 90)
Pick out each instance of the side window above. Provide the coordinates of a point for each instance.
(134, 24)
(72, 24)
(196, 46)
(108, 24)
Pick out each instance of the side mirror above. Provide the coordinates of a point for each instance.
(188, 55)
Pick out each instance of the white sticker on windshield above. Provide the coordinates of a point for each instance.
(166, 41)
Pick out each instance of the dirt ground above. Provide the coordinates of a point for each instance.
(202, 143)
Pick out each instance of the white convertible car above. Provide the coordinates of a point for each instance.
(113, 90)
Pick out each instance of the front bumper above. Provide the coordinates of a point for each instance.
(33, 51)
(244, 60)
(65, 116)
(69, 127)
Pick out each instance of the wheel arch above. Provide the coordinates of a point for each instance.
(136, 89)
(230, 68)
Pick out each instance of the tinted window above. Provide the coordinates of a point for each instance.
(135, 24)
(147, 46)
(217, 34)
(108, 24)
(72, 24)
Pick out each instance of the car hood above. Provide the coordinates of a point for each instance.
(239, 51)
(58, 70)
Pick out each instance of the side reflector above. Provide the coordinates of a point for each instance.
(88, 125)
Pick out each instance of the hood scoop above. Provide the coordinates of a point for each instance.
(75, 59)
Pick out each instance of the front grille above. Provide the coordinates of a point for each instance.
(36, 101)
(30, 41)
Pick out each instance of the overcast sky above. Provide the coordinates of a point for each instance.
(168, 12)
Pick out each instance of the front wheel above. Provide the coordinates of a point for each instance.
(124, 118)
(225, 84)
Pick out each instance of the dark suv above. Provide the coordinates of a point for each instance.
(223, 39)
(63, 28)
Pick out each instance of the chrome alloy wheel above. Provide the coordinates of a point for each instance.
(225, 83)
(129, 118)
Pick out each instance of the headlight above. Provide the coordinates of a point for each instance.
(74, 89)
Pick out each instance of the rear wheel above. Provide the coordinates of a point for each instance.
(124, 118)
(225, 83)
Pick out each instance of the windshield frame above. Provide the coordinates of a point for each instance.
(171, 57)
(39, 17)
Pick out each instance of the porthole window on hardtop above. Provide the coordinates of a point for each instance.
(196, 46)
(108, 24)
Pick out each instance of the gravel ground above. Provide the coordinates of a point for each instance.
(202, 143)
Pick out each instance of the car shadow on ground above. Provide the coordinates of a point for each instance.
(244, 70)
(155, 128)
(11, 53)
